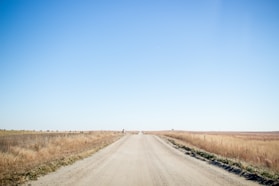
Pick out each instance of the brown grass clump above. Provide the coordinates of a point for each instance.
(25, 155)
(257, 148)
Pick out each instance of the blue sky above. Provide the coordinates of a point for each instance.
(143, 65)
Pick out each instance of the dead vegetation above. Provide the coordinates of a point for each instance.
(28, 154)
(256, 152)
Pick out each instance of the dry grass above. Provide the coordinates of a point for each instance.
(22, 152)
(258, 149)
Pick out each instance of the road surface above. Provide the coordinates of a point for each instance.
(140, 160)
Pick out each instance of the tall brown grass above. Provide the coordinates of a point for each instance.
(21, 152)
(260, 149)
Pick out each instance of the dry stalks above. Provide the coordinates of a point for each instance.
(259, 149)
(23, 152)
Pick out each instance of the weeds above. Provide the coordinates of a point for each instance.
(250, 172)
(259, 149)
(26, 155)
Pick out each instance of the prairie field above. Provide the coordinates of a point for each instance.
(260, 149)
(26, 154)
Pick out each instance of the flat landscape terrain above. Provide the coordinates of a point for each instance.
(25, 155)
(260, 149)
(141, 160)
(138, 158)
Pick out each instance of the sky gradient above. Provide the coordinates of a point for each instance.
(139, 65)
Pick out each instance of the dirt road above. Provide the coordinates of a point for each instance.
(140, 160)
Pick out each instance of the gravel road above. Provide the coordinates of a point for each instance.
(140, 160)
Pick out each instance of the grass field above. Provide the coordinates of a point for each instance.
(260, 149)
(24, 155)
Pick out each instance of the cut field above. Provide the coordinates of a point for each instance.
(249, 150)
(25, 155)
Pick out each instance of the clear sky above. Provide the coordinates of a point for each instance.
(144, 65)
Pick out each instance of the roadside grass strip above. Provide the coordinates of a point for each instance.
(250, 172)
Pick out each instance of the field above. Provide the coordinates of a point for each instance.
(250, 150)
(27, 154)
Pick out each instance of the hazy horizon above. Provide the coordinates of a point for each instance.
(140, 65)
